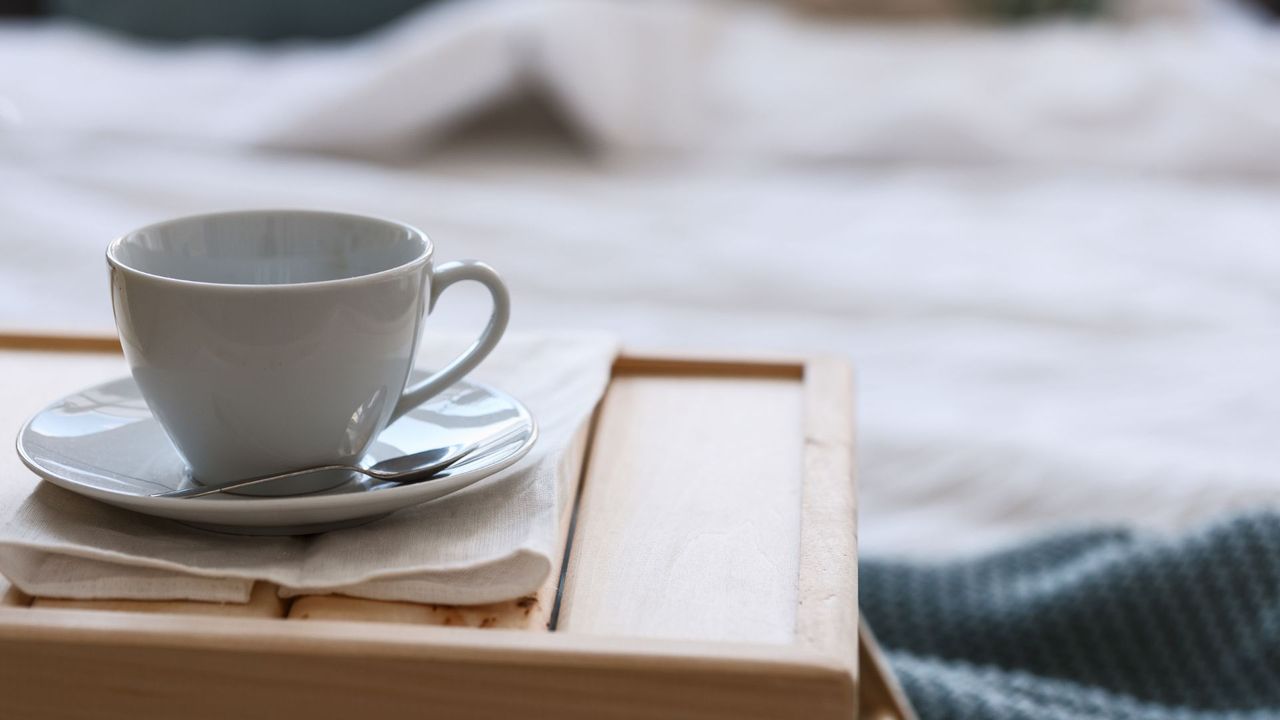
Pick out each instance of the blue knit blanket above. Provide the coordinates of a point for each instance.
(1101, 624)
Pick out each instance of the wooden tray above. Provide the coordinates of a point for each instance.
(710, 571)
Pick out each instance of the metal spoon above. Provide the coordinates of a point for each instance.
(403, 470)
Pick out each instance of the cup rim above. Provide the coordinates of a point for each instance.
(428, 250)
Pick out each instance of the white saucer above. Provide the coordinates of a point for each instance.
(103, 443)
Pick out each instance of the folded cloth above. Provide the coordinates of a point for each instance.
(493, 541)
(1099, 624)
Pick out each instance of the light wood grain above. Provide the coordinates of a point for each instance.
(689, 519)
(264, 602)
(118, 666)
(827, 611)
(60, 343)
(880, 697)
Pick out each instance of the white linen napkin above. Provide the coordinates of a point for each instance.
(493, 541)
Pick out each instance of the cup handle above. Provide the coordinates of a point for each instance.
(444, 276)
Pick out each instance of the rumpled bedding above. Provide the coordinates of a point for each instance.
(1051, 250)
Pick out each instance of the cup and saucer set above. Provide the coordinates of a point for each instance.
(273, 389)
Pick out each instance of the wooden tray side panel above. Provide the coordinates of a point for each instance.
(108, 666)
(827, 610)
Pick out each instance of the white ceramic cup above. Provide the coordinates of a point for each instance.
(272, 340)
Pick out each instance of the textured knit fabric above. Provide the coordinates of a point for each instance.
(1100, 624)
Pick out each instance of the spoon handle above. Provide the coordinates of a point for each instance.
(381, 471)
(202, 490)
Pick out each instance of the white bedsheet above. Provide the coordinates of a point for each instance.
(1060, 288)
